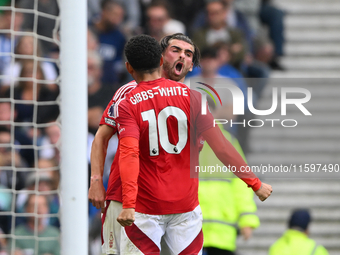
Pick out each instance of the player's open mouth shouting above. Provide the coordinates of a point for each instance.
(178, 67)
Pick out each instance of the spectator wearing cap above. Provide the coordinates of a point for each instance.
(295, 240)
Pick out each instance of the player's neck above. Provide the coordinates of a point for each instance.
(182, 80)
(166, 76)
(147, 76)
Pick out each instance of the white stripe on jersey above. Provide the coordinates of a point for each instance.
(120, 95)
(122, 90)
(117, 104)
(123, 86)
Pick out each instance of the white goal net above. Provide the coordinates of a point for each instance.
(30, 127)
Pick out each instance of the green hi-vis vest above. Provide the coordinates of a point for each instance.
(226, 201)
(294, 242)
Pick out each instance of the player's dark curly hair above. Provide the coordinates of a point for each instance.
(179, 36)
(143, 53)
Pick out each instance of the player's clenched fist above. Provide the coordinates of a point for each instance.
(264, 192)
(126, 217)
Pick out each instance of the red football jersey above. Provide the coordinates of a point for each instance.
(165, 116)
(114, 188)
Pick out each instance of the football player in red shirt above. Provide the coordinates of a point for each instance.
(159, 124)
(178, 61)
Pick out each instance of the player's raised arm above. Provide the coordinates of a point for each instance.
(98, 153)
(228, 155)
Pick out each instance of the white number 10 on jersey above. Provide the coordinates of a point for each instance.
(161, 123)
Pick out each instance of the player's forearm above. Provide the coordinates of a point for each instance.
(99, 149)
(98, 155)
(228, 155)
(129, 170)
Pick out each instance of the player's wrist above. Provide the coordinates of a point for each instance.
(129, 205)
(257, 186)
(96, 178)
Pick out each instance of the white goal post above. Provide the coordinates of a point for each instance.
(74, 174)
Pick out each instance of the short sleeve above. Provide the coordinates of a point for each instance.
(108, 117)
(127, 125)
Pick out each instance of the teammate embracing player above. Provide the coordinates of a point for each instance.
(167, 204)
(159, 124)
(180, 56)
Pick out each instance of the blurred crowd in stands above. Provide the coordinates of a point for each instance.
(241, 40)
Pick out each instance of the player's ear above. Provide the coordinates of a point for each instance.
(129, 68)
(161, 61)
(192, 65)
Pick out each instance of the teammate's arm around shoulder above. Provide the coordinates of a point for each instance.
(98, 153)
(228, 155)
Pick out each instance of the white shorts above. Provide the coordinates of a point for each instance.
(182, 234)
(111, 229)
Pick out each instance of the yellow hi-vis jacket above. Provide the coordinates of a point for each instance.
(226, 202)
(294, 242)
